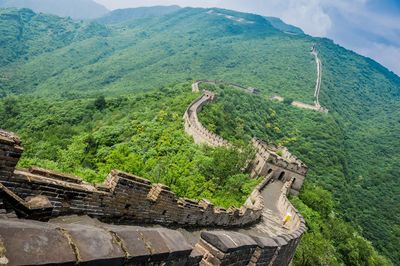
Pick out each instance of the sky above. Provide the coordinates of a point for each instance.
(368, 27)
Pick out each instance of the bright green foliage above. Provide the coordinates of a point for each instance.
(317, 140)
(52, 77)
(142, 135)
(329, 240)
(173, 48)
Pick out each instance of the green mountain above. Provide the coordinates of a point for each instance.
(282, 26)
(54, 98)
(123, 15)
(76, 9)
(25, 34)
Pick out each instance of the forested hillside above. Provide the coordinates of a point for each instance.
(76, 9)
(122, 15)
(54, 98)
(25, 34)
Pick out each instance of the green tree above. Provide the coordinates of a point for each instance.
(100, 103)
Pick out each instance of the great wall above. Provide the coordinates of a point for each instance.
(51, 218)
(316, 106)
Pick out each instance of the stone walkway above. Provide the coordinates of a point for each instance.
(269, 225)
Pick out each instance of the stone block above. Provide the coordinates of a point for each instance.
(152, 245)
(56, 175)
(228, 241)
(131, 238)
(34, 243)
(94, 246)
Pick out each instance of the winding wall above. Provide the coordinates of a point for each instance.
(39, 194)
(267, 158)
(316, 106)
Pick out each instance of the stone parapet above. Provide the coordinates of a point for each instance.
(41, 194)
(122, 198)
(195, 85)
(232, 248)
(102, 244)
(193, 126)
(26, 242)
(285, 166)
(279, 156)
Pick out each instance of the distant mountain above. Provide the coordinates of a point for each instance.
(121, 15)
(24, 34)
(76, 9)
(282, 26)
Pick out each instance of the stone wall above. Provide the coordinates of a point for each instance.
(196, 88)
(25, 242)
(193, 127)
(93, 243)
(123, 198)
(284, 167)
(41, 194)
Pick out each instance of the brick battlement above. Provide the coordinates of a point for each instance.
(122, 198)
(279, 156)
(269, 158)
(193, 127)
(195, 85)
(40, 194)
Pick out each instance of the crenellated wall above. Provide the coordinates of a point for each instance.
(123, 198)
(195, 85)
(269, 158)
(281, 162)
(193, 127)
(96, 243)
(104, 244)
(40, 194)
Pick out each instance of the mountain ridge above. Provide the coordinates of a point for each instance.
(123, 15)
(344, 149)
(76, 9)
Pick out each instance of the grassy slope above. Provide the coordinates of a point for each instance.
(363, 97)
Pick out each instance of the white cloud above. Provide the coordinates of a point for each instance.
(308, 15)
(388, 55)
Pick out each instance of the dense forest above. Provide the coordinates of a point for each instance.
(87, 98)
(141, 134)
(315, 138)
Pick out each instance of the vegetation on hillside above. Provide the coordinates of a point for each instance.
(153, 52)
(76, 9)
(141, 134)
(123, 15)
(317, 140)
(25, 34)
(52, 85)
